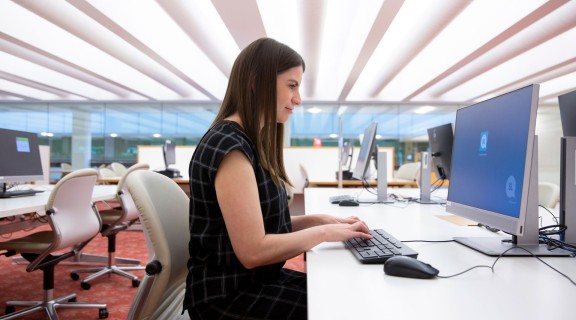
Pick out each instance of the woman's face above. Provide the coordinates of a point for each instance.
(287, 92)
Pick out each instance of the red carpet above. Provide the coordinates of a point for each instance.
(115, 291)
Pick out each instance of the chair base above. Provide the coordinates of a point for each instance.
(98, 272)
(86, 258)
(50, 306)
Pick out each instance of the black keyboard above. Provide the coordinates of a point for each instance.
(341, 197)
(18, 193)
(379, 248)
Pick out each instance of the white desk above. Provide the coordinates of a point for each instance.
(37, 203)
(339, 287)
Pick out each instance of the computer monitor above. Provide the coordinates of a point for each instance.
(567, 203)
(20, 158)
(366, 152)
(346, 155)
(169, 152)
(440, 139)
(494, 176)
(567, 104)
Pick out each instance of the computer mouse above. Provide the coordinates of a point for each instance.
(348, 203)
(408, 267)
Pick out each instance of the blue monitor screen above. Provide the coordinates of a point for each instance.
(490, 147)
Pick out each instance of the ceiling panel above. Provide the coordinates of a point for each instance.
(406, 52)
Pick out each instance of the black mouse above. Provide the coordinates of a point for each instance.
(348, 203)
(408, 267)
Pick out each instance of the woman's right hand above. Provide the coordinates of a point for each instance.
(344, 231)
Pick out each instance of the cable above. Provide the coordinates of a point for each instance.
(500, 256)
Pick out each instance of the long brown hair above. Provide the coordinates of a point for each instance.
(252, 93)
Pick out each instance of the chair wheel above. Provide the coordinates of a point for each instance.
(10, 309)
(102, 313)
(135, 283)
(74, 276)
(85, 285)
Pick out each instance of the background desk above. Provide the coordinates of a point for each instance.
(358, 183)
(37, 204)
(339, 287)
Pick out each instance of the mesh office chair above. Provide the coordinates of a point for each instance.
(74, 222)
(115, 221)
(163, 208)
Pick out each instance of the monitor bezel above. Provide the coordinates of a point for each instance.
(169, 149)
(441, 149)
(366, 152)
(34, 144)
(567, 107)
(511, 225)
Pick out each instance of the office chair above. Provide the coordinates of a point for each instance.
(74, 222)
(548, 194)
(408, 171)
(163, 208)
(118, 168)
(104, 173)
(114, 221)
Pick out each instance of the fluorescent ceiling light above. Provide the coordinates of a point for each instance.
(314, 110)
(424, 109)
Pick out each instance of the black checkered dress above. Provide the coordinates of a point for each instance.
(218, 286)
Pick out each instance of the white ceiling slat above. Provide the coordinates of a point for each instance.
(105, 21)
(369, 52)
(210, 35)
(385, 17)
(243, 20)
(433, 19)
(42, 58)
(484, 59)
(68, 18)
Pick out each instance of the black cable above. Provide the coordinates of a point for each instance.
(553, 216)
(501, 255)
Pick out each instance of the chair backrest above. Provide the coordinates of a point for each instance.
(548, 194)
(65, 166)
(123, 194)
(119, 168)
(408, 171)
(107, 173)
(163, 208)
(70, 212)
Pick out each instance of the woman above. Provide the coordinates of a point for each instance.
(241, 232)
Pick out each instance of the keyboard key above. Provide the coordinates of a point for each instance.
(379, 248)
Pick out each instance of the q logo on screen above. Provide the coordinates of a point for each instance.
(511, 187)
(483, 141)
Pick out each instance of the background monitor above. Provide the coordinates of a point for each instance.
(346, 155)
(20, 157)
(440, 139)
(567, 207)
(366, 152)
(567, 104)
(494, 177)
(169, 152)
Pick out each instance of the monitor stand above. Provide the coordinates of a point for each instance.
(382, 182)
(425, 189)
(526, 244)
